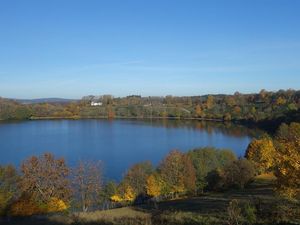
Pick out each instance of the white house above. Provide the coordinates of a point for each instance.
(96, 103)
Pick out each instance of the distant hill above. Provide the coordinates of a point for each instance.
(45, 100)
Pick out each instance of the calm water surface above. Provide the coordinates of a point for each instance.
(119, 143)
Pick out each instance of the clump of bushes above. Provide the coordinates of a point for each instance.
(241, 213)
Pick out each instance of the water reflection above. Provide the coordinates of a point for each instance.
(228, 128)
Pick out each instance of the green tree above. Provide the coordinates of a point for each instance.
(22, 112)
(208, 159)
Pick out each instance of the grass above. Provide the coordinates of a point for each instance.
(113, 215)
(266, 178)
(210, 209)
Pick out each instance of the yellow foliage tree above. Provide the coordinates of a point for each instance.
(287, 168)
(178, 173)
(126, 193)
(154, 185)
(261, 152)
(56, 205)
(116, 198)
(129, 194)
(198, 111)
(280, 101)
(27, 206)
(210, 102)
(237, 110)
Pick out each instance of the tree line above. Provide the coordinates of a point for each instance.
(45, 184)
(263, 106)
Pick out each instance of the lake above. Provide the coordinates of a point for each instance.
(117, 143)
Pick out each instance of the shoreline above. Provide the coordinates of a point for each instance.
(123, 117)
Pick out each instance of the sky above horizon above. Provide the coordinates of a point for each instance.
(73, 48)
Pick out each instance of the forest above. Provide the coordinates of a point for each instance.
(261, 188)
(268, 109)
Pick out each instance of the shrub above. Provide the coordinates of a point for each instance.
(25, 206)
(239, 173)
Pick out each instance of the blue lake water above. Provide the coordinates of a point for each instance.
(118, 143)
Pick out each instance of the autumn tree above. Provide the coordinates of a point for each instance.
(45, 178)
(237, 110)
(110, 112)
(262, 153)
(280, 101)
(87, 182)
(154, 185)
(25, 205)
(129, 194)
(178, 173)
(198, 111)
(125, 193)
(136, 177)
(210, 102)
(287, 161)
(227, 117)
(8, 187)
(263, 94)
(169, 99)
(230, 101)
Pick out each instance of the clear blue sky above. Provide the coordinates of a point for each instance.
(71, 48)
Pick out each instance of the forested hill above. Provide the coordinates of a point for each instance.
(264, 107)
(44, 100)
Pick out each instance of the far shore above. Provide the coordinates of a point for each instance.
(125, 117)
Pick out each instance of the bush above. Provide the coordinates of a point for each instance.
(239, 173)
(241, 213)
(215, 180)
(285, 212)
(249, 213)
(234, 213)
(25, 206)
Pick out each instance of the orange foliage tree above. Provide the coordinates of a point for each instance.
(25, 206)
(45, 178)
(178, 173)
